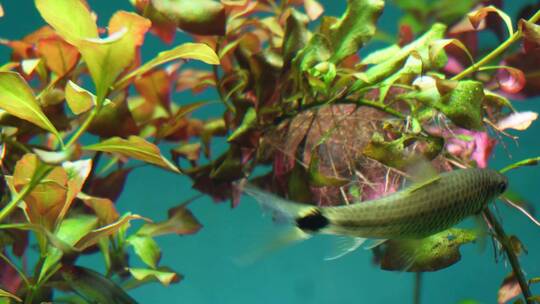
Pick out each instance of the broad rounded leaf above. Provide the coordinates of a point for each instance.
(60, 56)
(78, 99)
(70, 18)
(511, 80)
(201, 17)
(134, 147)
(17, 98)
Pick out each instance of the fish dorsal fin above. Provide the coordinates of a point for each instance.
(421, 173)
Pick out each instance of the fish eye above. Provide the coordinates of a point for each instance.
(502, 187)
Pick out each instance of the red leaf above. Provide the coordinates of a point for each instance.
(511, 80)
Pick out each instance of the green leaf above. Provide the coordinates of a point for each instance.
(197, 51)
(17, 98)
(248, 122)
(78, 99)
(533, 161)
(163, 275)
(95, 235)
(355, 28)
(70, 231)
(146, 248)
(94, 287)
(7, 294)
(181, 221)
(432, 253)
(463, 105)
(201, 17)
(318, 179)
(134, 147)
(70, 18)
(391, 153)
(107, 58)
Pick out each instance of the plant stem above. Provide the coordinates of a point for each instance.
(84, 126)
(496, 52)
(417, 288)
(17, 269)
(512, 257)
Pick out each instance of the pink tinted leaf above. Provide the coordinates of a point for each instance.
(517, 121)
(313, 9)
(509, 289)
(483, 147)
(511, 80)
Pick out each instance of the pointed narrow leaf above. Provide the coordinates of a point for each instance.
(197, 51)
(134, 147)
(7, 294)
(181, 221)
(94, 236)
(163, 275)
(70, 18)
(17, 98)
(78, 99)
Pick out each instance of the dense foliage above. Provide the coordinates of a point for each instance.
(333, 126)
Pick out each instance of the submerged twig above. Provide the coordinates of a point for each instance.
(512, 257)
(417, 288)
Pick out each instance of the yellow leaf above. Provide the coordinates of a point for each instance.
(78, 99)
(17, 98)
(134, 147)
(197, 51)
(70, 18)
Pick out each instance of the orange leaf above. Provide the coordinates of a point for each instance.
(60, 56)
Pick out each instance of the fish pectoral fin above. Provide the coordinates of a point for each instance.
(346, 245)
(374, 243)
(284, 238)
(421, 185)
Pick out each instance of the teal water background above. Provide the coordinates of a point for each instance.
(297, 274)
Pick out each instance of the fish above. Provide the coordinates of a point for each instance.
(416, 212)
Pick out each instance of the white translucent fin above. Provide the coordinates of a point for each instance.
(282, 210)
(346, 246)
(482, 232)
(281, 240)
(374, 243)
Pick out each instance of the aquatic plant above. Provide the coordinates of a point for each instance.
(334, 126)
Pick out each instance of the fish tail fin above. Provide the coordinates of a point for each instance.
(307, 218)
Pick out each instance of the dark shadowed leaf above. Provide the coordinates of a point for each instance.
(17, 98)
(114, 119)
(202, 17)
(181, 221)
(317, 179)
(145, 248)
(163, 275)
(110, 186)
(432, 253)
(7, 294)
(248, 122)
(94, 287)
(162, 26)
(134, 147)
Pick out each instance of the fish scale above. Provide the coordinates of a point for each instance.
(418, 211)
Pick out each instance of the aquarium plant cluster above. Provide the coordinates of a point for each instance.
(331, 108)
